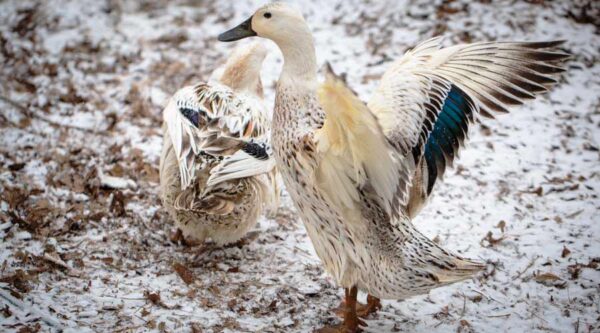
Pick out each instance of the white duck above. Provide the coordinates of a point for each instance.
(216, 169)
(349, 167)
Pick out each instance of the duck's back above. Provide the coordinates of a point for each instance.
(208, 127)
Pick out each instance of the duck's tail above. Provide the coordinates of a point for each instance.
(460, 269)
(431, 265)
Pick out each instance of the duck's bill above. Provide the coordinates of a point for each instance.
(241, 31)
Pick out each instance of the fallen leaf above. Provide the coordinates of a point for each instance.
(550, 280)
(154, 298)
(14, 196)
(184, 273)
(565, 252)
(442, 314)
(151, 324)
(231, 304)
(16, 166)
(575, 269)
(196, 328)
(464, 327)
(491, 241)
(30, 329)
(501, 225)
(71, 97)
(19, 280)
(117, 204)
(476, 298)
(6, 311)
(546, 277)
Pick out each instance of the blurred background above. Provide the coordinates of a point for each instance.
(84, 242)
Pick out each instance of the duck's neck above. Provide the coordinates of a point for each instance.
(299, 59)
(242, 76)
(296, 107)
(244, 84)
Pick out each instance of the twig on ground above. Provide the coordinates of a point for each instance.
(487, 296)
(531, 263)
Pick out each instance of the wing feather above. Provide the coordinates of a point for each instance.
(242, 164)
(427, 99)
(355, 154)
(210, 120)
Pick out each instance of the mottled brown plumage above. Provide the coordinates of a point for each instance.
(216, 169)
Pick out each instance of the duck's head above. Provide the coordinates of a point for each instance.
(242, 69)
(284, 25)
(279, 22)
(250, 55)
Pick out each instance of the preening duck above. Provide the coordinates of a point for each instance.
(359, 172)
(216, 169)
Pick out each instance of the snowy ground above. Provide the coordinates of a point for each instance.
(82, 86)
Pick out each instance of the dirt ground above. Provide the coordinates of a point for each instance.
(82, 87)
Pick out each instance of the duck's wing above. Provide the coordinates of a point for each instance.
(211, 120)
(254, 158)
(429, 97)
(354, 154)
(359, 170)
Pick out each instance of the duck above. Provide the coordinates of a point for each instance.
(217, 171)
(358, 173)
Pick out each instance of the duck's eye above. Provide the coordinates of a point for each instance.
(267, 15)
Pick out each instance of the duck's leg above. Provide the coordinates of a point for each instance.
(351, 320)
(373, 305)
(362, 310)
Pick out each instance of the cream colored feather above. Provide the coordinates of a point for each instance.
(355, 151)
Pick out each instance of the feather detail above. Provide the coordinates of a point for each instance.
(212, 120)
(244, 163)
(355, 152)
(427, 99)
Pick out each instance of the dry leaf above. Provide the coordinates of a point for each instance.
(491, 241)
(565, 252)
(154, 298)
(196, 328)
(30, 329)
(184, 273)
(501, 225)
(464, 327)
(117, 204)
(16, 166)
(19, 280)
(550, 280)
